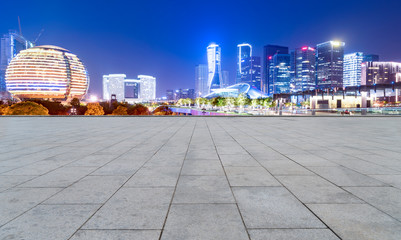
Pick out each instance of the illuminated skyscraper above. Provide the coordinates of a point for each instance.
(329, 64)
(226, 79)
(201, 80)
(268, 52)
(147, 88)
(244, 54)
(303, 69)
(114, 84)
(214, 67)
(352, 69)
(380, 73)
(11, 44)
(280, 74)
(255, 73)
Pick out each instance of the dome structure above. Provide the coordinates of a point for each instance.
(47, 72)
(236, 90)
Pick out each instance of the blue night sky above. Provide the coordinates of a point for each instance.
(167, 39)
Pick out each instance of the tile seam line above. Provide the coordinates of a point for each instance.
(176, 184)
(280, 181)
(225, 173)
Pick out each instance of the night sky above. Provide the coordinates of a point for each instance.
(167, 39)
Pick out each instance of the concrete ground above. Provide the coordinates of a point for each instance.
(200, 178)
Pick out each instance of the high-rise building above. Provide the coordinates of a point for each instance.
(255, 73)
(147, 88)
(244, 54)
(280, 74)
(170, 94)
(303, 74)
(114, 84)
(226, 79)
(11, 44)
(214, 67)
(329, 64)
(201, 80)
(268, 52)
(380, 73)
(352, 69)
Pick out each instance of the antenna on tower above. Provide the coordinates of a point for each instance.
(19, 25)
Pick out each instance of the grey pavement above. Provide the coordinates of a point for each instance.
(256, 178)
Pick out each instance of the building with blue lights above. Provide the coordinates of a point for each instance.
(201, 80)
(214, 67)
(268, 52)
(329, 64)
(11, 44)
(303, 73)
(280, 77)
(244, 54)
(352, 69)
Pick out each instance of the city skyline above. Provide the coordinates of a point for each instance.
(108, 46)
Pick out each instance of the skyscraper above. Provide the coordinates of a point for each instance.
(352, 69)
(11, 44)
(147, 88)
(370, 58)
(244, 54)
(280, 74)
(380, 73)
(256, 73)
(114, 84)
(268, 52)
(303, 74)
(329, 64)
(226, 79)
(201, 80)
(214, 67)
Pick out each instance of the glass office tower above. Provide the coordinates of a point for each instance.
(201, 80)
(268, 52)
(303, 74)
(329, 64)
(214, 67)
(280, 74)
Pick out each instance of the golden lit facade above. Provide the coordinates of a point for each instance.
(47, 72)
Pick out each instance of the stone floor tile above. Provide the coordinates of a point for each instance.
(250, 176)
(48, 222)
(203, 189)
(204, 221)
(116, 234)
(285, 167)
(155, 177)
(202, 168)
(292, 234)
(133, 208)
(238, 160)
(273, 207)
(358, 221)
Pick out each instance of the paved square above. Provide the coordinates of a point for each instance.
(258, 178)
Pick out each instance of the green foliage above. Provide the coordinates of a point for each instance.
(94, 109)
(162, 110)
(138, 109)
(26, 108)
(242, 99)
(230, 102)
(120, 110)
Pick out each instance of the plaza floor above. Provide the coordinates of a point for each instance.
(256, 178)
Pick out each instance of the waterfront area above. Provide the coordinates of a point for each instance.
(200, 178)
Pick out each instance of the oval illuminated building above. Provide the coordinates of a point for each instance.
(47, 72)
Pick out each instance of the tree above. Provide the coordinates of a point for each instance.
(94, 109)
(242, 99)
(162, 110)
(138, 109)
(255, 103)
(230, 102)
(3, 109)
(221, 102)
(27, 108)
(75, 102)
(120, 110)
(55, 108)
